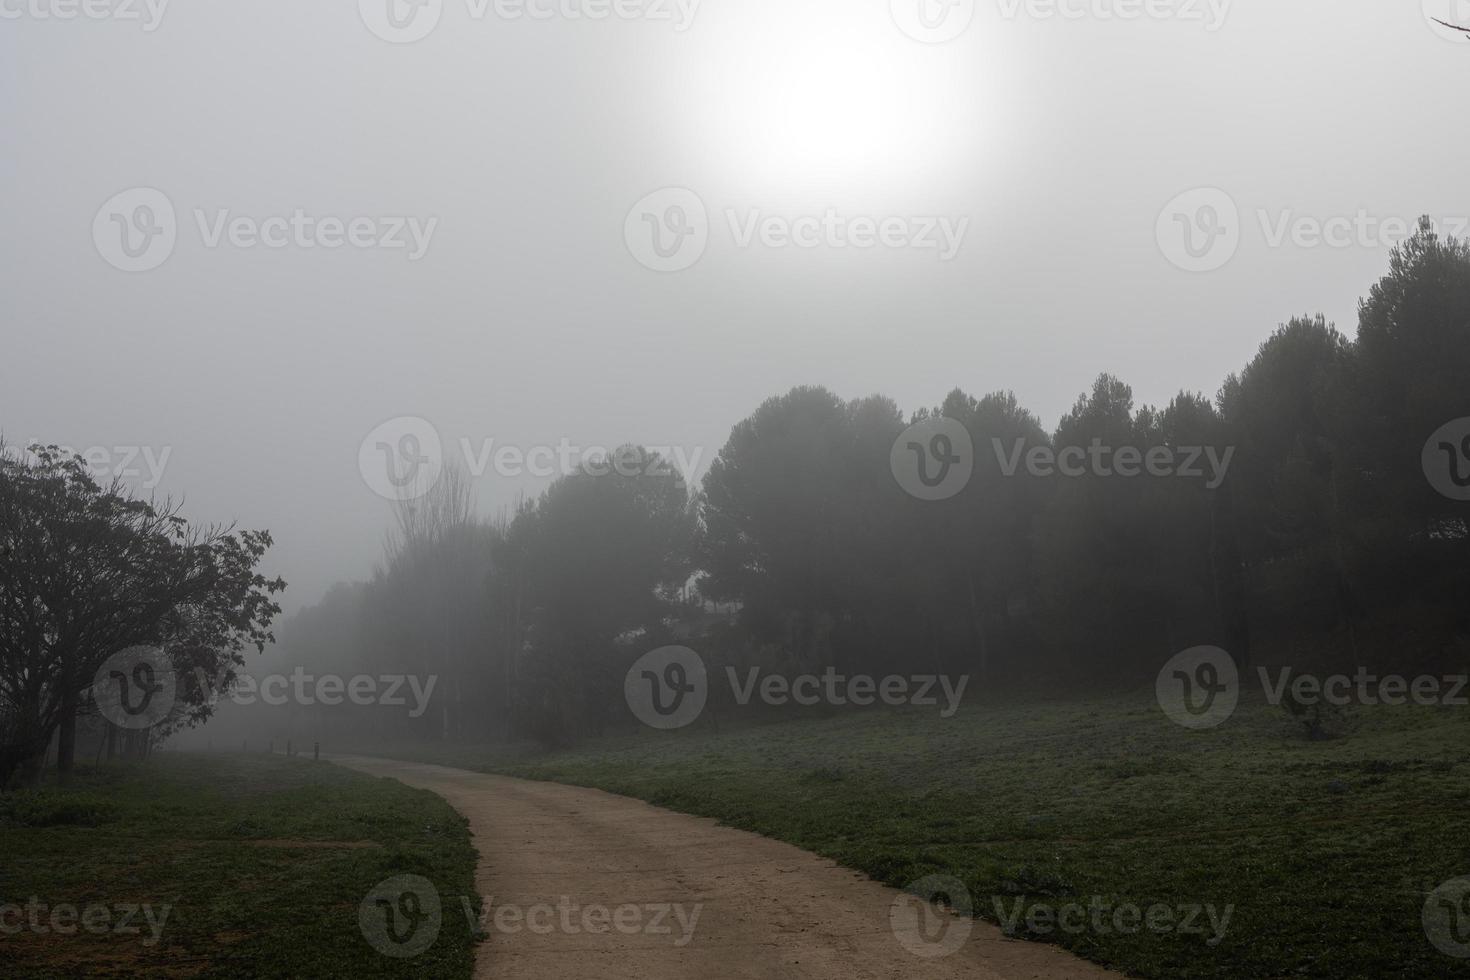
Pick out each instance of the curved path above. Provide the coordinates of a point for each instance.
(580, 883)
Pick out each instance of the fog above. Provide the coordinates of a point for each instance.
(1059, 139)
(734, 488)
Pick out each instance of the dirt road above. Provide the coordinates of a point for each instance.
(581, 884)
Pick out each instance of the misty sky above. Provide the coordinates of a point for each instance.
(1054, 142)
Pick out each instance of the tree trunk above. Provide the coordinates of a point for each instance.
(1227, 578)
(30, 769)
(66, 744)
(977, 622)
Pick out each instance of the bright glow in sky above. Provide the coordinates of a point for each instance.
(832, 104)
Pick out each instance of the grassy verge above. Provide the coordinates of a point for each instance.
(1322, 851)
(226, 866)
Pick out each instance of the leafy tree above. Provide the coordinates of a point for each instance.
(601, 556)
(90, 571)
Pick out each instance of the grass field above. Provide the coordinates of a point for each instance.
(227, 865)
(1323, 852)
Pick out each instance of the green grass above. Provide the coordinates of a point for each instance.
(1325, 849)
(262, 861)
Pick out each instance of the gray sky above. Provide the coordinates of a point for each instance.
(1052, 148)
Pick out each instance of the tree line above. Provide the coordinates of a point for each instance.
(1319, 543)
(1316, 532)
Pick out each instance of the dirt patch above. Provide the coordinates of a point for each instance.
(559, 865)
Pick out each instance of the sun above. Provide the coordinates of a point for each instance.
(826, 99)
